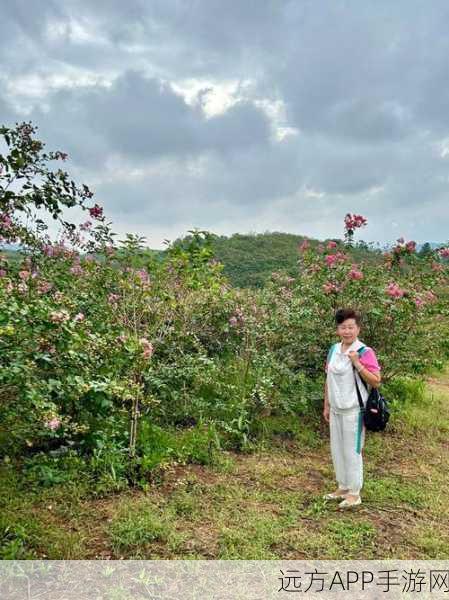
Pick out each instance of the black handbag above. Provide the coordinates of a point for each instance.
(376, 411)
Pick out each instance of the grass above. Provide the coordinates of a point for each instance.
(263, 505)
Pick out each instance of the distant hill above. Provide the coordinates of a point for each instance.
(250, 259)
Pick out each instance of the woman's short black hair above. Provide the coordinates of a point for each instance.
(347, 313)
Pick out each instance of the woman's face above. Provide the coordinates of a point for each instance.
(348, 331)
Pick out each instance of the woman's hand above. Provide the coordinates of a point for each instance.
(355, 358)
(326, 413)
(371, 377)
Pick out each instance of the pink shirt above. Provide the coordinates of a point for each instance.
(367, 358)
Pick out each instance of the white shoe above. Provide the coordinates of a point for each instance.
(334, 496)
(350, 503)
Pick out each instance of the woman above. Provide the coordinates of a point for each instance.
(342, 408)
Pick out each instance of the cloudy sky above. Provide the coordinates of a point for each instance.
(241, 115)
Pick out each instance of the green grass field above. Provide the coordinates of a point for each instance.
(263, 505)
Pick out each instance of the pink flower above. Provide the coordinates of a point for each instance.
(143, 276)
(333, 259)
(48, 250)
(44, 286)
(96, 211)
(3, 273)
(354, 221)
(237, 319)
(341, 257)
(354, 273)
(330, 288)
(394, 290)
(304, 245)
(147, 348)
(331, 244)
(410, 246)
(79, 317)
(76, 270)
(430, 296)
(24, 275)
(86, 226)
(320, 248)
(444, 252)
(59, 316)
(436, 267)
(419, 302)
(113, 298)
(53, 424)
(5, 221)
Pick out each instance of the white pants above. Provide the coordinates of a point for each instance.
(348, 462)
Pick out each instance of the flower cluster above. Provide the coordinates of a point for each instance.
(56, 250)
(53, 423)
(353, 221)
(427, 298)
(330, 288)
(5, 222)
(394, 291)
(96, 212)
(355, 273)
(76, 269)
(403, 247)
(237, 319)
(147, 348)
(333, 259)
(143, 276)
(44, 286)
(59, 316)
(304, 245)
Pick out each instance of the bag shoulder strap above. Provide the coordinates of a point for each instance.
(360, 352)
(359, 395)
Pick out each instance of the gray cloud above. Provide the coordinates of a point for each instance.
(364, 84)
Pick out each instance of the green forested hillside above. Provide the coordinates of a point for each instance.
(249, 259)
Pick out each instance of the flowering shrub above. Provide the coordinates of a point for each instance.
(96, 337)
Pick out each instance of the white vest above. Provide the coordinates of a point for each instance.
(341, 390)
